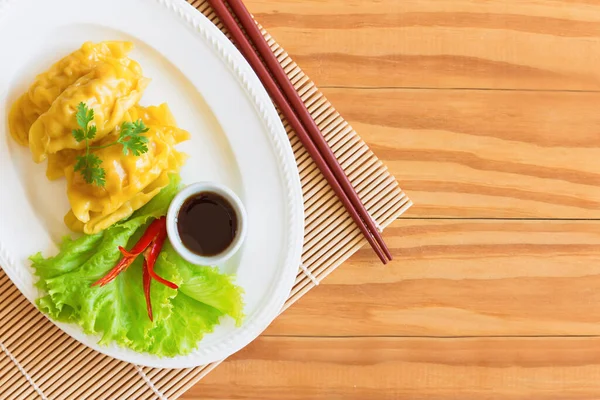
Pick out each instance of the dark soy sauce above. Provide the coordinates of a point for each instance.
(207, 224)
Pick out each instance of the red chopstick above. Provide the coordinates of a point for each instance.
(326, 162)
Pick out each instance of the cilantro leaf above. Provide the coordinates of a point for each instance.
(89, 167)
(131, 137)
(91, 133)
(79, 134)
(127, 127)
(84, 115)
(135, 144)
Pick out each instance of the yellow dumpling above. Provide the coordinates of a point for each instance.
(57, 162)
(131, 181)
(49, 85)
(104, 78)
(151, 115)
(99, 221)
(110, 89)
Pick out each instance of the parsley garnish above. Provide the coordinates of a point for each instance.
(131, 139)
(89, 165)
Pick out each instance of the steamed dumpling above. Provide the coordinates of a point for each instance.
(106, 80)
(111, 89)
(57, 163)
(131, 181)
(49, 85)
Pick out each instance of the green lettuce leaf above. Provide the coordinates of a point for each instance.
(205, 284)
(117, 311)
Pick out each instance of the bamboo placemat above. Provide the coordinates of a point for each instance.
(39, 361)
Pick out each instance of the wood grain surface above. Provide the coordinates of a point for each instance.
(484, 153)
(486, 113)
(492, 44)
(412, 368)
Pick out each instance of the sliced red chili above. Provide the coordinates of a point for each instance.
(112, 274)
(147, 280)
(150, 244)
(126, 253)
(151, 254)
(157, 226)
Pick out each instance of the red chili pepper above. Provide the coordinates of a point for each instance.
(150, 256)
(126, 253)
(147, 281)
(157, 226)
(150, 244)
(123, 264)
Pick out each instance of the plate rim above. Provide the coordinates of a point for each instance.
(267, 113)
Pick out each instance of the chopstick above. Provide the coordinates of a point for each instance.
(314, 142)
(261, 44)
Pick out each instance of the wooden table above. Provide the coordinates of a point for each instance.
(488, 114)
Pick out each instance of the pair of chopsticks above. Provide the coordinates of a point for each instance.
(281, 90)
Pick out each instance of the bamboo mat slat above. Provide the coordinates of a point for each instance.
(38, 361)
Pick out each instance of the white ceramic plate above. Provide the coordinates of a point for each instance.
(237, 139)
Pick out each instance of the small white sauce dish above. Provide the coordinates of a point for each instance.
(172, 222)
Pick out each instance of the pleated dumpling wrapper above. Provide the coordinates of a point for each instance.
(131, 181)
(58, 162)
(110, 89)
(48, 85)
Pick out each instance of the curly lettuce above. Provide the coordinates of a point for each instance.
(117, 311)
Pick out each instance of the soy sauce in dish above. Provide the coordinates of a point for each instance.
(207, 224)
